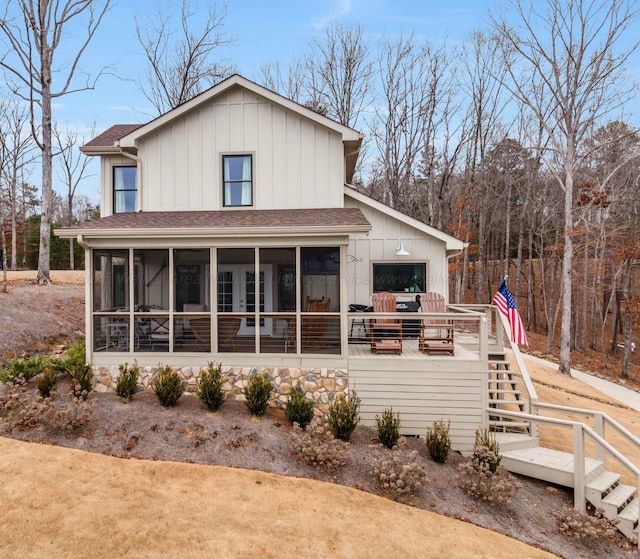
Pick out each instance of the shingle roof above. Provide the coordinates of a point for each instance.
(227, 221)
(112, 135)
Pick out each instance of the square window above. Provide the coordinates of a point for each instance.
(237, 177)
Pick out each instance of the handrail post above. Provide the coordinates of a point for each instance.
(598, 421)
(533, 410)
(579, 482)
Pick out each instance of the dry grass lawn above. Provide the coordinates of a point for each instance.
(58, 502)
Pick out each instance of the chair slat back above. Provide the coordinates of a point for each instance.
(384, 302)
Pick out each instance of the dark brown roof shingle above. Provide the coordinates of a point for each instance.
(216, 220)
(111, 135)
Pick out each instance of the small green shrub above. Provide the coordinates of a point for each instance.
(343, 416)
(388, 426)
(168, 386)
(46, 383)
(76, 354)
(257, 394)
(439, 441)
(299, 408)
(210, 389)
(26, 368)
(127, 381)
(316, 446)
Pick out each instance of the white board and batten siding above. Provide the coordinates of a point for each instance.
(422, 392)
(297, 163)
(380, 245)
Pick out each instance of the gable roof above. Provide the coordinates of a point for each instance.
(351, 139)
(451, 242)
(348, 134)
(324, 221)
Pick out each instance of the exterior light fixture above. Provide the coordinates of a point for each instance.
(400, 251)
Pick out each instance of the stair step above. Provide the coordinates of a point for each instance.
(515, 441)
(497, 381)
(503, 362)
(615, 501)
(501, 404)
(503, 391)
(628, 520)
(493, 424)
(600, 487)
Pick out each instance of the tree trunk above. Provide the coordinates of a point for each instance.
(44, 255)
(567, 263)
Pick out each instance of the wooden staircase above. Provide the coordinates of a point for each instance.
(516, 430)
(504, 394)
(522, 455)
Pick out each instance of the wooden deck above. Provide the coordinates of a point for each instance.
(362, 350)
(422, 388)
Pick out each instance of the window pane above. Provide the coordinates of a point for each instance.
(124, 178)
(191, 276)
(399, 277)
(238, 180)
(124, 189)
(320, 275)
(110, 280)
(151, 279)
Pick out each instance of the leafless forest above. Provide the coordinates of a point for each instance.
(519, 141)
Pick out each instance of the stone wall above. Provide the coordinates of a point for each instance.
(320, 385)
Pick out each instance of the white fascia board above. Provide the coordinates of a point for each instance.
(129, 141)
(233, 233)
(451, 242)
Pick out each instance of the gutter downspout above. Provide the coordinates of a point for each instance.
(138, 175)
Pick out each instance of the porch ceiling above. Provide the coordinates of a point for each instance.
(230, 223)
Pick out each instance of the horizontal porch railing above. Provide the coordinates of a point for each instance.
(470, 326)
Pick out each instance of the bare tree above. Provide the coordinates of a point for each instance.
(339, 73)
(17, 147)
(35, 30)
(410, 75)
(72, 170)
(288, 83)
(565, 63)
(180, 55)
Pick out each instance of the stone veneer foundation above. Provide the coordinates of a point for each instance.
(320, 385)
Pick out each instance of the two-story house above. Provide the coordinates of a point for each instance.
(230, 232)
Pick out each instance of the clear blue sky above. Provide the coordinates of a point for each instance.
(264, 31)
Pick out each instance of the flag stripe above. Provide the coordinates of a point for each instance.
(507, 306)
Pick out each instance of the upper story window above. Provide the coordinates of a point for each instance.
(124, 189)
(237, 177)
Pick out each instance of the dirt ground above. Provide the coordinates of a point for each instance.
(65, 503)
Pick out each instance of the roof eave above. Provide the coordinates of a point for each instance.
(451, 243)
(100, 150)
(227, 232)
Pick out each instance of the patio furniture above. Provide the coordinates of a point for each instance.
(386, 333)
(313, 327)
(436, 335)
(359, 324)
(227, 333)
(159, 332)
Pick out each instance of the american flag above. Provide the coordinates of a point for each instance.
(506, 305)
